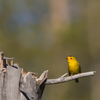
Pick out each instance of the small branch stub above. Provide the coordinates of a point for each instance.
(42, 78)
(1, 60)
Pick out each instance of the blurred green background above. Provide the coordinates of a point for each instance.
(40, 34)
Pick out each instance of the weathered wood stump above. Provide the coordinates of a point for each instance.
(15, 84)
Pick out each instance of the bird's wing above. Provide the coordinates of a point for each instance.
(69, 71)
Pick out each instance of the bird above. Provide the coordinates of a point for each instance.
(73, 66)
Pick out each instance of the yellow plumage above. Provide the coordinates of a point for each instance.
(73, 66)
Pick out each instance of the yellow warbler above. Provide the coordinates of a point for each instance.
(73, 66)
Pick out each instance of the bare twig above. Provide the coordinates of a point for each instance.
(64, 75)
(8, 58)
(63, 79)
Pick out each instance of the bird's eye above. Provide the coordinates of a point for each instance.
(70, 58)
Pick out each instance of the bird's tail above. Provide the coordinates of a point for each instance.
(76, 80)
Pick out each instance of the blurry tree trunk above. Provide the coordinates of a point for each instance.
(59, 12)
(93, 30)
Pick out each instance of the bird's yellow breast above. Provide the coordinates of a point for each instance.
(74, 67)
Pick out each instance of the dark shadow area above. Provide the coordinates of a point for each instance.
(27, 96)
(14, 66)
(41, 89)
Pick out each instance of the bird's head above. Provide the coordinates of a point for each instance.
(71, 58)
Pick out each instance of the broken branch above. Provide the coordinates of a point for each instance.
(69, 78)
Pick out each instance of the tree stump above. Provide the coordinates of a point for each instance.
(15, 84)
